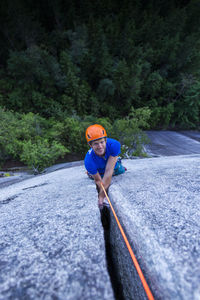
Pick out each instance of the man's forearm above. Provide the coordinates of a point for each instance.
(101, 193)
(109, 172)
(107, 181)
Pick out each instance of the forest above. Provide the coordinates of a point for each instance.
(128, 65)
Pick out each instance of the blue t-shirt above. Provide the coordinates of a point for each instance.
(95, 163)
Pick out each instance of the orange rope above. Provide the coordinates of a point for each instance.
(145, 285)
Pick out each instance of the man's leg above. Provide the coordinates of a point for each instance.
(119, 168)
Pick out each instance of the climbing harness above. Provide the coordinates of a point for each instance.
(136, 264)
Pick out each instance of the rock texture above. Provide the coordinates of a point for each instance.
(51, 239)
(167, 143)
(158, 203)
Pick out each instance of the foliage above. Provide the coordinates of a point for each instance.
(187, 106)
(66, 59)
(8, 135)
(39, 142)
(28, 138)
(128, 132)
(128, 65)
(35, 80)
(41, 154)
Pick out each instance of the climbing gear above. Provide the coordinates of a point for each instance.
(95, 132)
(136, 264)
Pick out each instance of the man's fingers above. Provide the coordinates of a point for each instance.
(100, 202)
(100, 206)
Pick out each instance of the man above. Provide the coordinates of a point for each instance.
(102, 160)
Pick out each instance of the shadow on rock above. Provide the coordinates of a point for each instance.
(115, 281)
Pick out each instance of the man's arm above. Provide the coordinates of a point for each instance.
(109, 171)
(106, 178)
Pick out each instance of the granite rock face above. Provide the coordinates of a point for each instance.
(51, 239)
(158, 204)
(168, 143)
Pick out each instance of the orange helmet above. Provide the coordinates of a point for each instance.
(95, 132)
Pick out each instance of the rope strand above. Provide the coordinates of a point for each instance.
(136, 264)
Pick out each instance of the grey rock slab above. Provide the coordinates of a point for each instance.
(170, 143)
(17, 177)
(158, 204)
(64, 166)
(20, 176)
(51, 239)
(192, 134)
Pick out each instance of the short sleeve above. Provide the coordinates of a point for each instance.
(115, 147)
(90, 164)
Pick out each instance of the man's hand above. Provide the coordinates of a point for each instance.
(106, 179)
(100, 201)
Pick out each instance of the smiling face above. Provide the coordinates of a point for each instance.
(99, 146)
